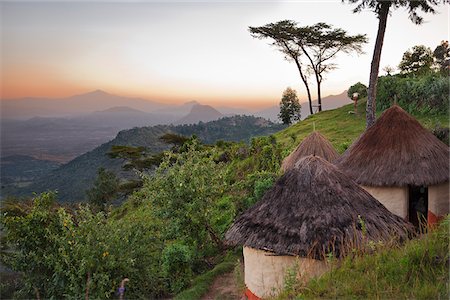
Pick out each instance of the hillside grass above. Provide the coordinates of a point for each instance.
(417, 270)
(341, 127)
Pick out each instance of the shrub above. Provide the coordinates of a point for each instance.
(427, 93)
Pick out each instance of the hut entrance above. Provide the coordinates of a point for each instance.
(418, 205)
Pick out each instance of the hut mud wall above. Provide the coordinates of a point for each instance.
(395, 199)
(265, 272)
(438, 202)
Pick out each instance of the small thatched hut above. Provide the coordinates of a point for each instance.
(403, 165)
(312, 210)
(314, 144)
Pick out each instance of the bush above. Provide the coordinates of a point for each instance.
(427, 93)
(64, 254)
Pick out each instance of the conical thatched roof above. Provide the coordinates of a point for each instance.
(313, 210)
(396, 151)
(313, 144)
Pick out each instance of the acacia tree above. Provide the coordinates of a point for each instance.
(382, 9)
(321, 43)
(282, 34)
(290, 107)
(317, 45)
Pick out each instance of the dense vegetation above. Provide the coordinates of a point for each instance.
(169, 231)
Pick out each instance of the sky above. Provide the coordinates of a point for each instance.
(178, 51)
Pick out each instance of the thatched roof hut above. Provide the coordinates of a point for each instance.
(313, 144)
(394, 158)
(312, 210)
(396, 151)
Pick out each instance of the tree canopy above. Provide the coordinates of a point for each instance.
(417, 61)
(312, 48)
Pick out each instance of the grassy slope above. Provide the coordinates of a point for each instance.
(342, 128)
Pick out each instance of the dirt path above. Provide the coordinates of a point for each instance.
(224, 287)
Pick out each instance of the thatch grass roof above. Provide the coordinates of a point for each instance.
(396, 151)
(313, 144)
(312, 210)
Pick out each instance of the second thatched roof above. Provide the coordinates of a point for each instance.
(396, 151)
(314, 209)
(313, 144)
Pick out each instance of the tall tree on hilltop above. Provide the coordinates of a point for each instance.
(321, 43)
(382, 9)
(417, 61)
(290, 108)
(282, 35)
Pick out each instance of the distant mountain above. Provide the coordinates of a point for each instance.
(328, 102)
(25, 108)
(124, 117)
(72, 179)
(203, 113)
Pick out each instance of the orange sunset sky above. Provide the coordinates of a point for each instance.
(177, 51)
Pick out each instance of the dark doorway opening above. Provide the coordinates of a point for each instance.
(418, 205)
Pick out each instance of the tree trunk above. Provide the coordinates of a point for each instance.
(375, 66)
(214, 236)
(306, 86)
(319, 97)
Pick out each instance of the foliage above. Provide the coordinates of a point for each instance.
(442, 57)
(417, 270)
(65, 255)
(359, 88)
(423, 93)
(417, 61)
(104, 190)
(290, 108)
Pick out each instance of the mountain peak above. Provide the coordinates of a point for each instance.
(199, 112)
